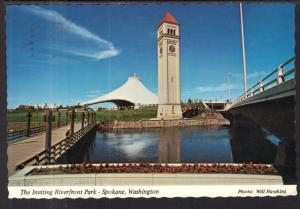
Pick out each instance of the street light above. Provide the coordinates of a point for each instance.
(229, 75)
(243, 46)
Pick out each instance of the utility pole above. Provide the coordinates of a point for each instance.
(243, 47)
(229, 75)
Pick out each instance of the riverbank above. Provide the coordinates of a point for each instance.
(216, 119)
(168, 123)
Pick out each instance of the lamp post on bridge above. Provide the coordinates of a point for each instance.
(229, 75)
(243, 48)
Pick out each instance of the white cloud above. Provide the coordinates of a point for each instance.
(216, 88)
(107, 48)
(259, 74)
(95, 55)
(253, 75)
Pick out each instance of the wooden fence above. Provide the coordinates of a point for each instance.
(21, 134)
(32, 131)
(56, 150)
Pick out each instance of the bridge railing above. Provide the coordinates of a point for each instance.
(276, 77)
(24, 124)
(57, 150)
(21, 134)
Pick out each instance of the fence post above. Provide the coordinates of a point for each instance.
(280, 75)
(72, 121)
(58, 120)
(67, 117)
(88, 118)
(82, 120)
(261, 86)
(29, 115)
(48, 135)
(252, 93)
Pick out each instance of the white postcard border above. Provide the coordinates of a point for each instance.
(60, 192)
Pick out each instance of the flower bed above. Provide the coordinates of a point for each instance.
(248, 168)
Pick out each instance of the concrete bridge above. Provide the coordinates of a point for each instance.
(270, 103)
(215, 104)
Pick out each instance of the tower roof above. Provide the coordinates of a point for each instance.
(169, 18)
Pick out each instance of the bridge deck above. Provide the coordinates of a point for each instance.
(280, 91)
(22, 150)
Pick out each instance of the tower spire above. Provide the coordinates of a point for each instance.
(169, 18)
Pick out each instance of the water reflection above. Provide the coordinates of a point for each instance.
(206, 144)
(170, 146)
(249, 142)
(219, 144)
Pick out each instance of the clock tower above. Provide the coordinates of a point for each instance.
(168, 68)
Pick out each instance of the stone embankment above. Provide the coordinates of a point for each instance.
(168, 123)
(163, 123)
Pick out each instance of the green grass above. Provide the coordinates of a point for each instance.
(103, 115)
(37, 116)
(127, 115)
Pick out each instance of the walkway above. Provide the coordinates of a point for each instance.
(22, 150)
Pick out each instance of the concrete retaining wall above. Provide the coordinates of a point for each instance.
(168, 123)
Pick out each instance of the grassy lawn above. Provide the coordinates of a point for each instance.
(103, 115)
(127, 115)
(37, 116)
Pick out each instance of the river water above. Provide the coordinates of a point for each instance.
(213, 144)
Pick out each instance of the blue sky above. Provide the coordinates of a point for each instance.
(66, 54)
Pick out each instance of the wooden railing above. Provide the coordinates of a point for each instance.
(60, 118)
(15, 135)
(57, 150)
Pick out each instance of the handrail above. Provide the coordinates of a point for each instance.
(261, 87)
(58, 149)
(33, 131)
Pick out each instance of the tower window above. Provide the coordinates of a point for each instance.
(171, 31)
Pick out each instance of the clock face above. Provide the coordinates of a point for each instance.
(172, 48)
